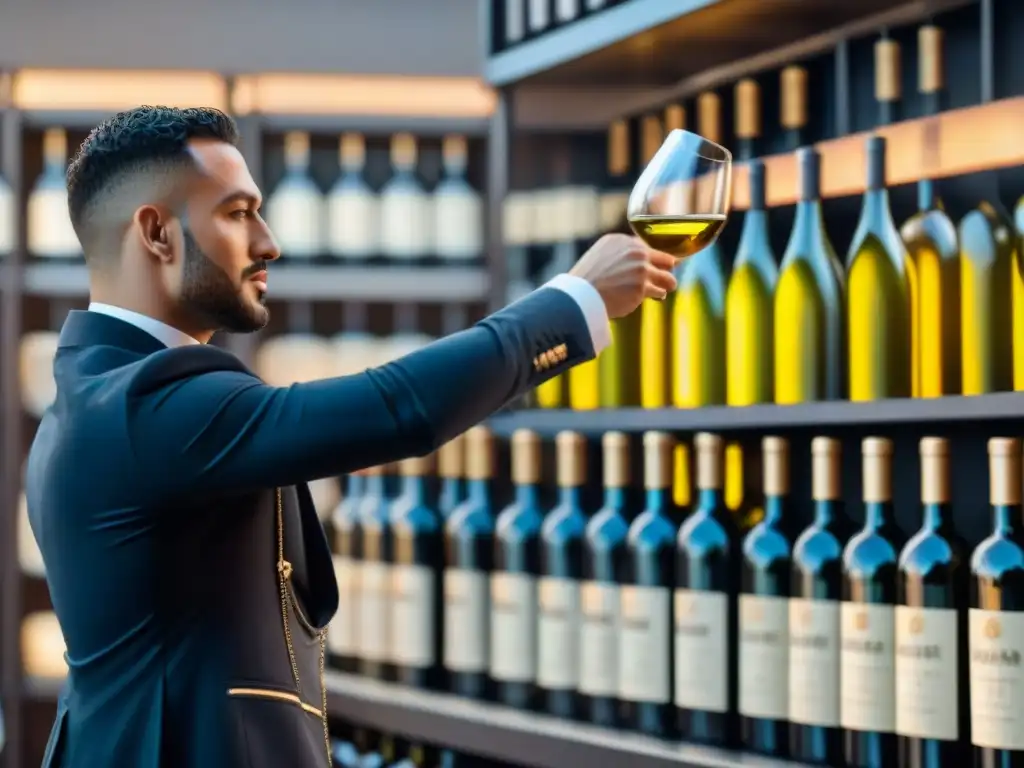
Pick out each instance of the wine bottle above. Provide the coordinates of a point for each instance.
(416, 578)
(749, 306)
(698, 310)
(764, 613)
(375, 578)
(877, 306)
(931, 629)
(705, 607)
(296, 208)
(986, 284)
(515, 21)
(538, 16)
(514, 580)
(996, 612)
(8, 233)
(933, 251)
(605, 567)
(406, 219)
(793, 105)
(49, 233)
(645, 641)
(458, 212)
(558, 590)
(870, 574)
(808, 301)
(450, 469)
(815, 592)
(342, 634)
(1018, 299)
(619, 364)
(469, 556)
(352, 206)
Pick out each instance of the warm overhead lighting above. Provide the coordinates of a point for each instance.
(413, 96)
(954, 143)
(107, 90)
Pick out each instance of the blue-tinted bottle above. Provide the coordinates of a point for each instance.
(645, 637)
(375, 579)
(451, 470)
(558, 590)
(469, 559)
(342, 635)
(514, 580)
(764, 613)
(605, 568)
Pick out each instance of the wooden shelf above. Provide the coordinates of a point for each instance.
(381, 125)
(1002, 407)
(299, 282)
(505, 734)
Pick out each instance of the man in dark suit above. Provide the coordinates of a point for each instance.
(166, 485)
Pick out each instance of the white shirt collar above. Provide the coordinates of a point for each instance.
(165, 334)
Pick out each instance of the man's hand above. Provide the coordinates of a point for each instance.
(625, 272)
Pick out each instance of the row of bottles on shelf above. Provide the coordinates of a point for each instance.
(401, 222)
(357, 747)
(526, 19)
(864, 648)
(929, 309)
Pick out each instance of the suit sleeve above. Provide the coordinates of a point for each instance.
(213, 426)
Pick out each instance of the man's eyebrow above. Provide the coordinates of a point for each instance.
(240, 196)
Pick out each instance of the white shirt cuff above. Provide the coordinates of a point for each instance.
(592, 306)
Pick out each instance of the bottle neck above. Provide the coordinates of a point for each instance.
(450, 493)
(875, 214)
(773, 508)
(824, 512)
(658, 500)
(926, 195)
(354, 485)
(754, 232)
(375, 485)
(478, 491)
(877, 514)
(414, 489)
(528, 495)
(570, 496)
(936, 516)
(1005, 518)
(809, 221)
(709, 499)
(615, 498)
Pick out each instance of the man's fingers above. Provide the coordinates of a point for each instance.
(661, 278)
(661, 260)
(654, 291)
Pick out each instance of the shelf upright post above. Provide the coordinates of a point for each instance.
(499, 138)
(842, 88)
(11, 448)
(986, 47)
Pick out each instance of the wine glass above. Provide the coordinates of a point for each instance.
(680, 203)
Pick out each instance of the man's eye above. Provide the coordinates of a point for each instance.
(241, 213)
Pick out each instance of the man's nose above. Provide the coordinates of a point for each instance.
(265, 245)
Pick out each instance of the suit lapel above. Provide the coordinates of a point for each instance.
(307, 549)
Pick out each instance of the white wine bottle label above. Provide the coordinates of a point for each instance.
(405, 223)
(562, 223)
(295, 214)
(374, 611)
(49, 231)
(814, 662)
(558, 633)
(612, 210)
(867, 667)
(537, 15)
(518, 219)
(513, 627)
(586, 216)
(644, 644)
(997, 679)
(342, 638)
(466, 620)
(599, 639)
(352, 223)
(926, 671)
(701, 645)
(764, 657)
(458, 224)
(7, 213)
(412, 615)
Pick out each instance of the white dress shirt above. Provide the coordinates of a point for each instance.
(582, 292)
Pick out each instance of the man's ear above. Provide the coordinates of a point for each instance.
(154, 231)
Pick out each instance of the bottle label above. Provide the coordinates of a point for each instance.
(295, 214)
(644, 644)
(49, 229)
(538, 15)
(458, 224)
(513, 632)
(997, 679)
(701, 645)
(405, 230)
(374, 611)
(867, 667)
(466, 619)
(342, 638)
(352, 227)
(566, 10)
(558, 633)
(764, 656)
(513, 21)
(611, 209)
(412, 615)
(926, 671)
(814, 662)
(599, 639)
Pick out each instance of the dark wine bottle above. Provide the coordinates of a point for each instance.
(469, 555)
(450, 470)
(931, 628)
(558, 590)
(375, 579)
(764, 613)
(705, 607)
(997, 619)
(342, 639)
(645, 638)
(870, 564)
(514, 580)
(814, 615)
(605, 567)
(416, 578)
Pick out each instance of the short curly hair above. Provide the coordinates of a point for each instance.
(133, 139)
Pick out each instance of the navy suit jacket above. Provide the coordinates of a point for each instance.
(155, 484)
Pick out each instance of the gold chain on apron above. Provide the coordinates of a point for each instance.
(284, 573)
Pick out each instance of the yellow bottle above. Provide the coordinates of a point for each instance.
(1018, 299)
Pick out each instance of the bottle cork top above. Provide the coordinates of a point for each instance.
(709, 460)
(526, 457)
(930, 69)
(651, 137)
(658, 460)
(826, 446)
(450, 458)
(479, 453)
(934, 446)
(793, 107)
(615, 454)
(618, 148)
(876, 446)
(1004, 446)
(403, 151)
(374, 471)
(934, 470)
(675, 118)
(748, 109)
(1004, 471)
(775, 451)
(55, 145)
(296, 150)
(887, 70)
(571, 459)
(416, 466)
(825, 476)
(709, 116)
(454, 151)
(352, 151)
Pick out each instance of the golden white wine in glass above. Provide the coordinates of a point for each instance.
(680, 203)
